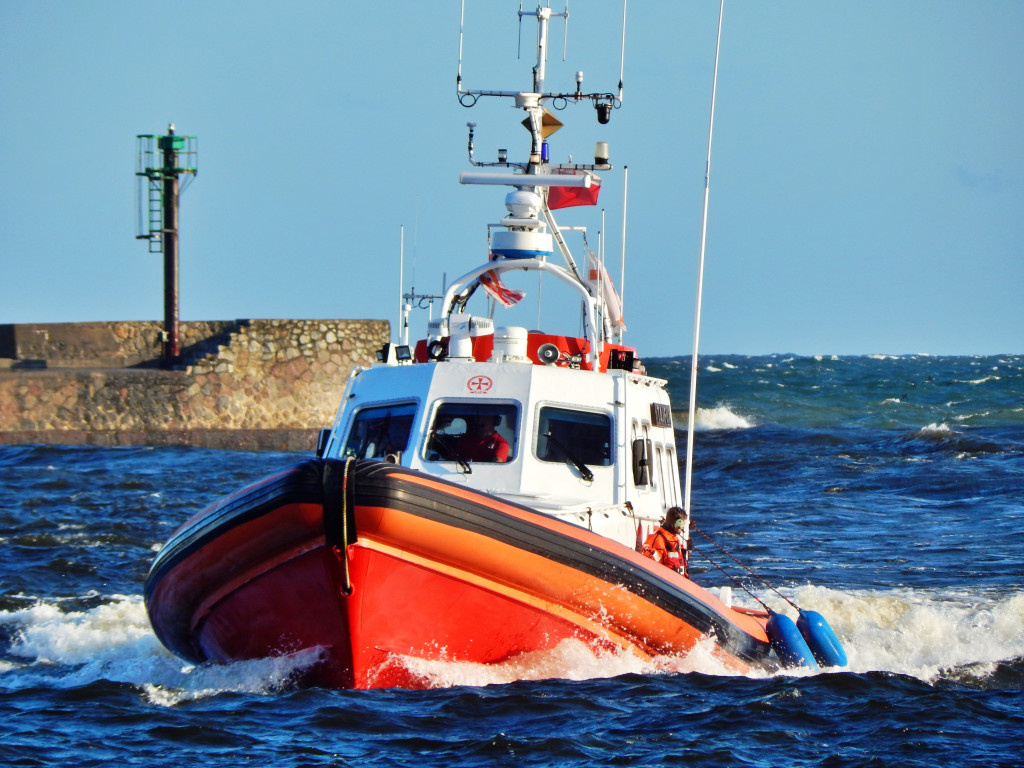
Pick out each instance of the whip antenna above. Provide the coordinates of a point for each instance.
(622, 50)
(692, 413)
(462, 27)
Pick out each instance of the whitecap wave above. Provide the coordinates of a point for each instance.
(114, 641)
(45, 633)
(721, 417)
(982, 380)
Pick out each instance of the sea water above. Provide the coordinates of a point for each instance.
(886, 493)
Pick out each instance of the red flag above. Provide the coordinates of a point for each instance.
(566, 197)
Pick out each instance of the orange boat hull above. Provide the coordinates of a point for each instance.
(371, 563)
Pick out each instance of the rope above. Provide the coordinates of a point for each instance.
(343, 554)
(335, 504)
(741, 565)
(732, 578)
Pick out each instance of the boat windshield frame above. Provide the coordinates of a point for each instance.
(453, 413)
(574, 444)
(389, 420)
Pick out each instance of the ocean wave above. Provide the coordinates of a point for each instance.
(922, 634)
(982, 380)
(962, 634)
(46, 633)
(721, 417)
(569, 660)
(114, 642)
(965, 417)
(939, 437)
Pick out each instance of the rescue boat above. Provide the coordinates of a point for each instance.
(482, 494)
(369, 563)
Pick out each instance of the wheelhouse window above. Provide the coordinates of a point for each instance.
(579, 437)
(380, 431)
(473, 432)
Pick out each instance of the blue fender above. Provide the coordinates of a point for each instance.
(821, 639)
(787, 642)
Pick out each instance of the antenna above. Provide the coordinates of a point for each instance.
(622, 50)
(565, 32)
(161, 161)
(692, 413)
(402, 336)
(603, 103)
(410, 300)
(462, 27)
(622, 265)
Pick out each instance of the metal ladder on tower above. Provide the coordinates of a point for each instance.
(156, 216)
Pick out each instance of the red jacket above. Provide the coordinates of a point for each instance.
(664, 546)
(491, 447)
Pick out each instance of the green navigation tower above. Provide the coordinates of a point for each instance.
(162, 160)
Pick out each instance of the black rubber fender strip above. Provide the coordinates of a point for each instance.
(339, 514)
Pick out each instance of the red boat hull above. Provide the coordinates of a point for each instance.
(370, 562)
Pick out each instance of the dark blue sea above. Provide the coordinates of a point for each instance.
(885, 492)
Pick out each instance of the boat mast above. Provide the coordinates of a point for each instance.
(692, 411)
(531, 229)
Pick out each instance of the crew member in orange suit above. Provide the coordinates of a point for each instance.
(665, 545)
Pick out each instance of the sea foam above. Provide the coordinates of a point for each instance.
(721, 417)
(923, 634)
(114, 641)
(919, 633)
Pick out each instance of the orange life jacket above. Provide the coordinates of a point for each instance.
(663, 546)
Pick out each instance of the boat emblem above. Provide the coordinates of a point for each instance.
(479, 384)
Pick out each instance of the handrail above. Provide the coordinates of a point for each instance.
(537, 265)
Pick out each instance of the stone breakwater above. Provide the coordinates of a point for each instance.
(251, 384)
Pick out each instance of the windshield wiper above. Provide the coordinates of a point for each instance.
(585, 473)
(444, 442)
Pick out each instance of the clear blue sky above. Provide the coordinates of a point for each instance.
(867, 190)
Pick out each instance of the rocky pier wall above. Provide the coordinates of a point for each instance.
(246, 384)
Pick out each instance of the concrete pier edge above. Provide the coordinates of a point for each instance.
(244, 384)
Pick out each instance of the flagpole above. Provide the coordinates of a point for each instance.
(691, 415)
